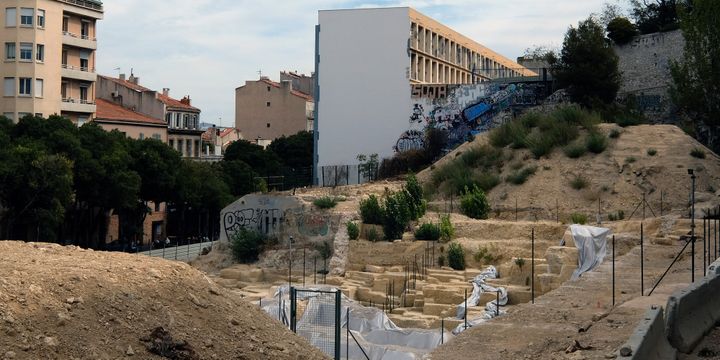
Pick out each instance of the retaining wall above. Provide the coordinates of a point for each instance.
(648, 341)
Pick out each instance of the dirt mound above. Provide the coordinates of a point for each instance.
(651, 159)
(67, 303)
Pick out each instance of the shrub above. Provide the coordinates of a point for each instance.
(521, 176)
(511, 133)
(396, 215)
(697, 153)
(447, 231)
(414, 194)
(456, 256)
(651, 152)
(403, 162)
(530, 120)
(596, 142)
(630, 159)
(247, 245)
(614, 134)
(620, 215)
(578, 218)
(579, 182)
(483, 255)
(520, 262)
(540, 144)
(372, 234)
(574, 151)
(325, 202)
(474, 204)
(441, 261)
(324, 250)
(370, 211)
(621, 30)
(427, 231)
(353, 230)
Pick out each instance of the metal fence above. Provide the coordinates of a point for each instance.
(339, 175)
(321, 320)
(179, 253)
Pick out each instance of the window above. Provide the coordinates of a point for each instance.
(9, 86)
(185, 123)
(38, 87)
(38, 114)
(82, 120)
(188, 147)
(64, 58)
(10, 51)
(66, 20)
(268, 88)
(171, 142)
(26, 86)
(26, 16)
(40, 53)
(157, 207)
(168, 119)
(41, 18)
(180, 145)
(9, 115)
(22, 115)
(268, 124)
(197, 148)
(157, 137)
(26, 51)
(63, 90)
(84, 56)
(267, 104)
(83, 94)
(142, 136)
(11, 17)
(85, 29)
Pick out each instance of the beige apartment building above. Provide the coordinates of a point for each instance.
(48, 62)
(111, 116)
(441, 55)
(266, 110)
(181, 118)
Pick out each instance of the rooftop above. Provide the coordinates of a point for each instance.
(107, 110)
(90, 4)
(168, 101)
(294, 92)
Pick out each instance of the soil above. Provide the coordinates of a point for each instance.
(67, 303)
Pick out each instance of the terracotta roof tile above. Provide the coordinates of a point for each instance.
(126, 83)
(168, 101)
(107, 110)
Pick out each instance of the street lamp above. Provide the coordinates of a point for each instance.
(691, 172)
(290, 241)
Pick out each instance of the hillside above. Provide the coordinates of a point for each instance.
(66, 303)
(617, 177)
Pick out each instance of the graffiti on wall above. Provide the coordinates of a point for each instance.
(313, 224)
(265, 221)
(462, 110)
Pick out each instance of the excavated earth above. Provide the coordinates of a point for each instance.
(67, 303)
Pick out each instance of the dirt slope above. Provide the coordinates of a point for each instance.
(618, 176)
(67, 303)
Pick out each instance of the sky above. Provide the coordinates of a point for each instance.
(207, 48)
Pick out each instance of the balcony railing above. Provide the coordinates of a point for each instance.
(79, 68)
(84, 37)
(78, 101)
(94, 5)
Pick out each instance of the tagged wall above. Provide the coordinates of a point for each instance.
(463, 110)
(263, 213)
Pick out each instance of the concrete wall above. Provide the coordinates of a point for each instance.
(264, 213)
(266, 111)
(133, 131)
(300, 82)
(363, 83)
(144, 102)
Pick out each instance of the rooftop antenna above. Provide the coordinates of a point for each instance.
(118, 70)
(260, 73)
(131, 72)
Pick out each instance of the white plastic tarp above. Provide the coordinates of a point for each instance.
(591, 243)
(491, 307)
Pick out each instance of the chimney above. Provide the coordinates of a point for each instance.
(134, 79)
(186, 100)
(122, 77)
(287, 85)
(166, 91)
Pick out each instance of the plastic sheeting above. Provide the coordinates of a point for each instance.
(591, 243)
(491, 307)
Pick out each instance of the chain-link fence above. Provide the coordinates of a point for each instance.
(320, 323)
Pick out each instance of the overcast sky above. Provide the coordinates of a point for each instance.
(207, 48)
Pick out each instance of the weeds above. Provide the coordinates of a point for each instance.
(697, 153)
(520, 177)
(579, 182)
(651, 152)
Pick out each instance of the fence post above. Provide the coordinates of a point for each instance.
(466, 308)
(347, 333)
(532, 267)
(176, 246)
(557, 211)
(293, 309)
(279, 301)
(705, 244)
(303, 267)
(442, 331)
(315, 270)
(497, 303)
(613, 271)
(642, 260)
(338, 301)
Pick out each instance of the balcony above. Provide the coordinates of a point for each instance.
(78, 73)
(81, 41)
(89, 8)
(77, 105)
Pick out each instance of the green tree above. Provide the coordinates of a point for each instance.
(656, 15)
(587, 66)
(239, 177)
(696, 78)
(263, 162)
(295, 153)
(621, 30)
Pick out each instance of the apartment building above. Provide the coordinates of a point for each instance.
(266, 110)
(368, 63)
(49, 58)
(300, 82)
(111, 116)
(181, 118)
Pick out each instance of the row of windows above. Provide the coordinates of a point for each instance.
(26, 51)
(22, 86)
(185, 147)
(177, 120)
(27, 15)
(155, 136)
(21, 115)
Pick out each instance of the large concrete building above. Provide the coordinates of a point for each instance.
(266, 110)
(49, 58)
(182, 119)
(369, 65)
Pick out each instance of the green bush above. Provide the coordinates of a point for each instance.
(414, 195)
(324, 249)
(520, 177)
(614, 134)
(326, 202)
(578, 218)
(579, 182)
(596, 142)
(697, 153)
(403, 162)
(397, 215)
(483, 255)
(540, 144)
(630, 159)
(621, 30)
(447, 231)
(370, 211)
(474, 203)
(456, 256)
(520, 262)
(511, 133)
(372, 234)
(474, 167)
(353, 230)
(441, 261)
(574, 151)
(247, 245)
(651, 152)
(427, 231)
(531, 119)
(619, 215)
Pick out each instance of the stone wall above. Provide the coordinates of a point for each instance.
(645, 67)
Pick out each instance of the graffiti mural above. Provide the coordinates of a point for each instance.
(265, 221)
(463, 110)
(313, 224)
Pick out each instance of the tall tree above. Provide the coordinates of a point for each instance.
(696, 78)
(263, 162)
(656, 15)
(587, 66)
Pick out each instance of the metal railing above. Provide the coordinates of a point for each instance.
(94, 5)
(179, 252)
(80, 68)
(84, 37)
(79, 101)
